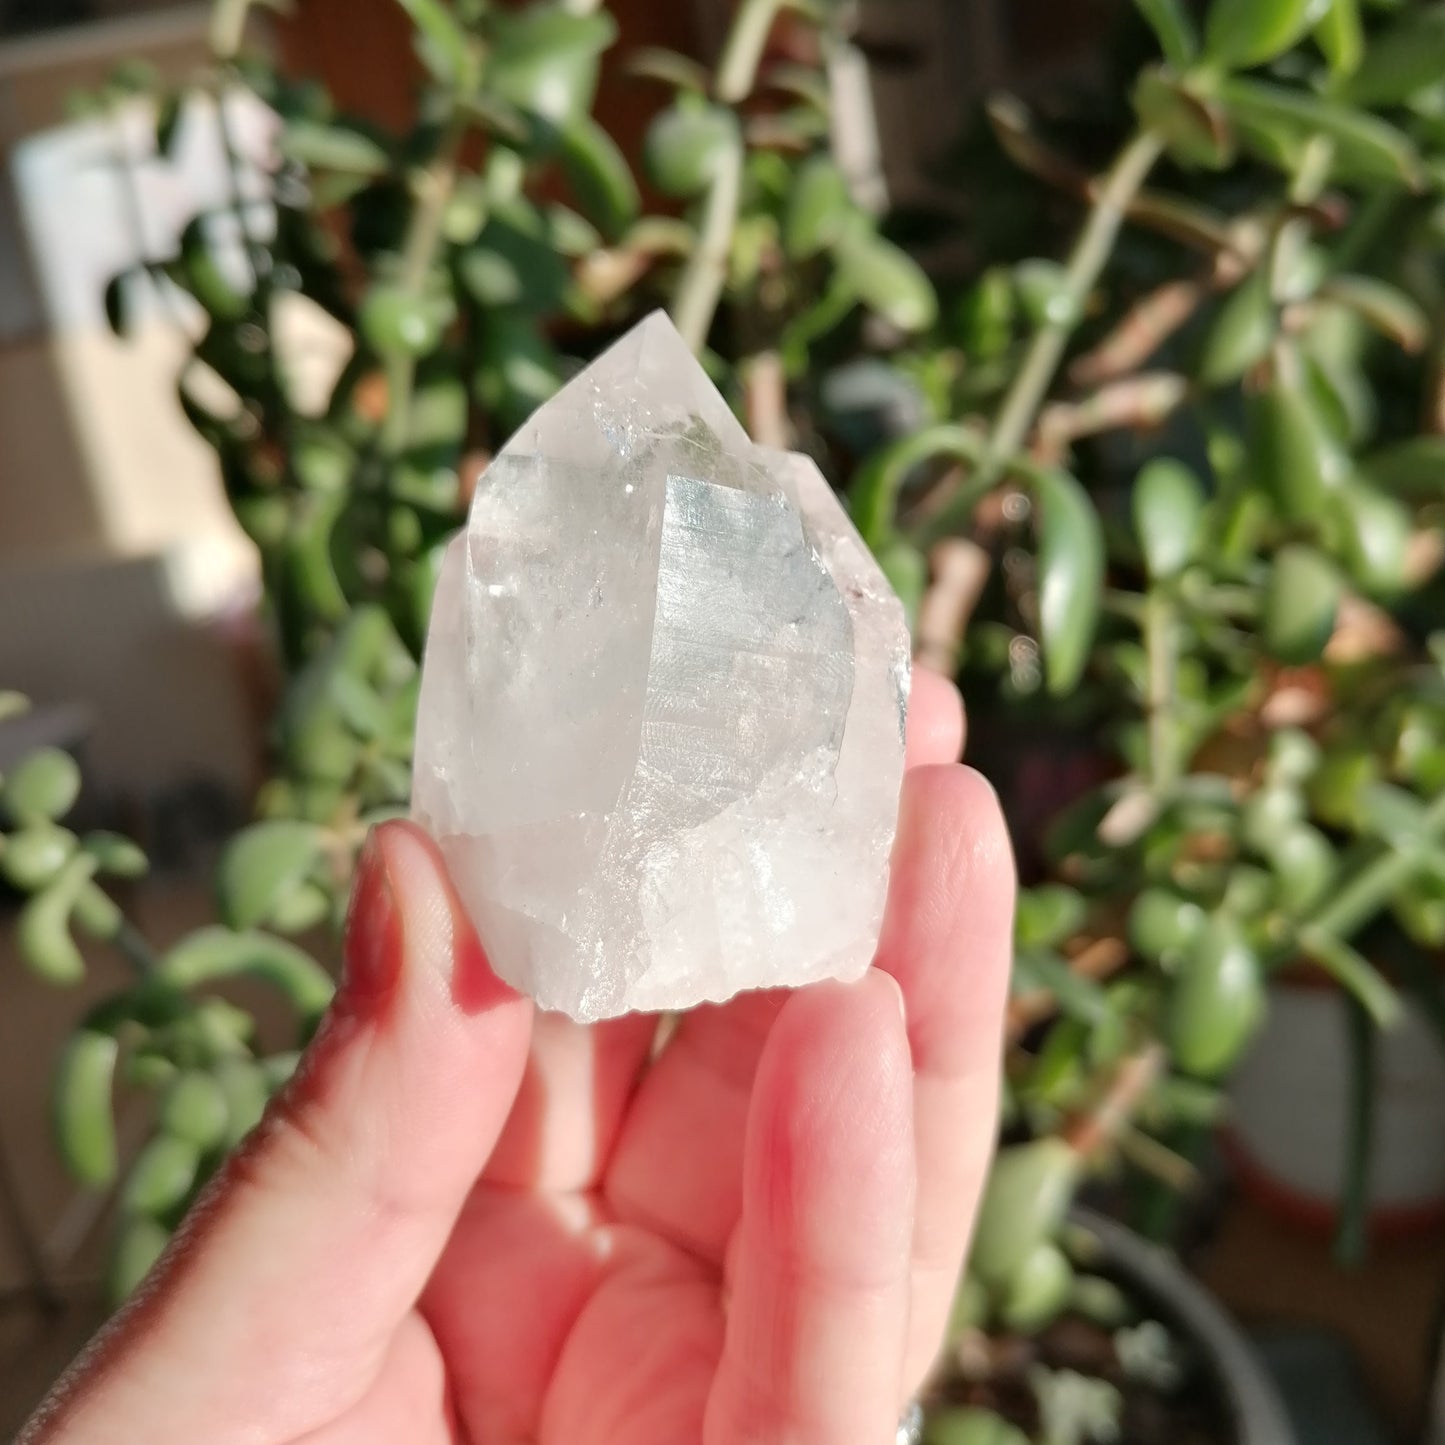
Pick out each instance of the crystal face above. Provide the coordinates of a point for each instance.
(660, 734)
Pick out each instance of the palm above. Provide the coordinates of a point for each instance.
(750, 1235)
(626, 1246)
(581, 1297)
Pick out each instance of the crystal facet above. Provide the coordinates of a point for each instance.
(660, 734)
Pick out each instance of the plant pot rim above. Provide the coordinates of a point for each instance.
(1251, 1399)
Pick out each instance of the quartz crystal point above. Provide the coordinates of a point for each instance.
(660, 735)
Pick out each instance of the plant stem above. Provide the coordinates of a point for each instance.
(419, 247)
(1159, 650)
(1352, 1233)
(256, 253)
(1086, 263)
(131, 943)
(1126, 1091)
(1372, 887)
(701, 286)
(738, 68)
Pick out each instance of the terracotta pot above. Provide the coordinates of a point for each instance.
(1289, 1110)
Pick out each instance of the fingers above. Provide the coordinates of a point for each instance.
(935, 720)
(819, 1286)
(947, 938)
(577, 1085)
(678, 1163)
(275, 1307)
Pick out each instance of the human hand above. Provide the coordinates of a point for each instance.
(463, 1221)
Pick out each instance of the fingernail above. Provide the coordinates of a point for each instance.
(372, 951)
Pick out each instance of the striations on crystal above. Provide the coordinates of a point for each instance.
(660, 733)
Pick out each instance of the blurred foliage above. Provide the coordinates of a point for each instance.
(473, 261)
(1202, 449)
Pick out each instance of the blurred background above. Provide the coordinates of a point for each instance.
(132, 616)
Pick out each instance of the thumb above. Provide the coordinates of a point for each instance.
(273, 1309)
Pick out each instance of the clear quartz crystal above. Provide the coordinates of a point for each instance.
(660, 734)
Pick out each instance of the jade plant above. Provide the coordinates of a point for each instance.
(467, 290)
(1195, 460)
(1201, 460)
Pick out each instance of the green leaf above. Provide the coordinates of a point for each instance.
(247, 1088)
(518, 368)
(203, 276)
(43, 928)
(906, 569)
(512, 263)
(33, 856)
(1193, 127)
(1279, 123)
(679, 71)
(1401, 61)
(1029, 1189)
(986, 314)
(1303, 860)
(262, 865)
(444, 42)
(1038, 1291)
(12, 704)
(194, 1109)
(1162, 925)
(1172, 23)
(161, 1177)
(886, 279)
(1394, 815)
(1242, 33)
(118, 310)
(1077, 997)
(971, 1425)
(545, 59)
(1340, 35)
(97, 912)
(1071, 577)
(210, 954)
(304, 907)
(819, 207)
(1293, 459)
(168, 123)
(115, 854)
(1043, 288)
(1301, 599)
(42, 786)
(1241, 334)
(83, 1109)
(873, 497)
(599, 176)
(684, 144)
(139, 1242)
(334, 147)
(1375, 530)
(571, 233)
(1217, 1001)
(1391, 311)
(1048, 915)
(1168, 513)
(396, 323)
(1413, 468)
